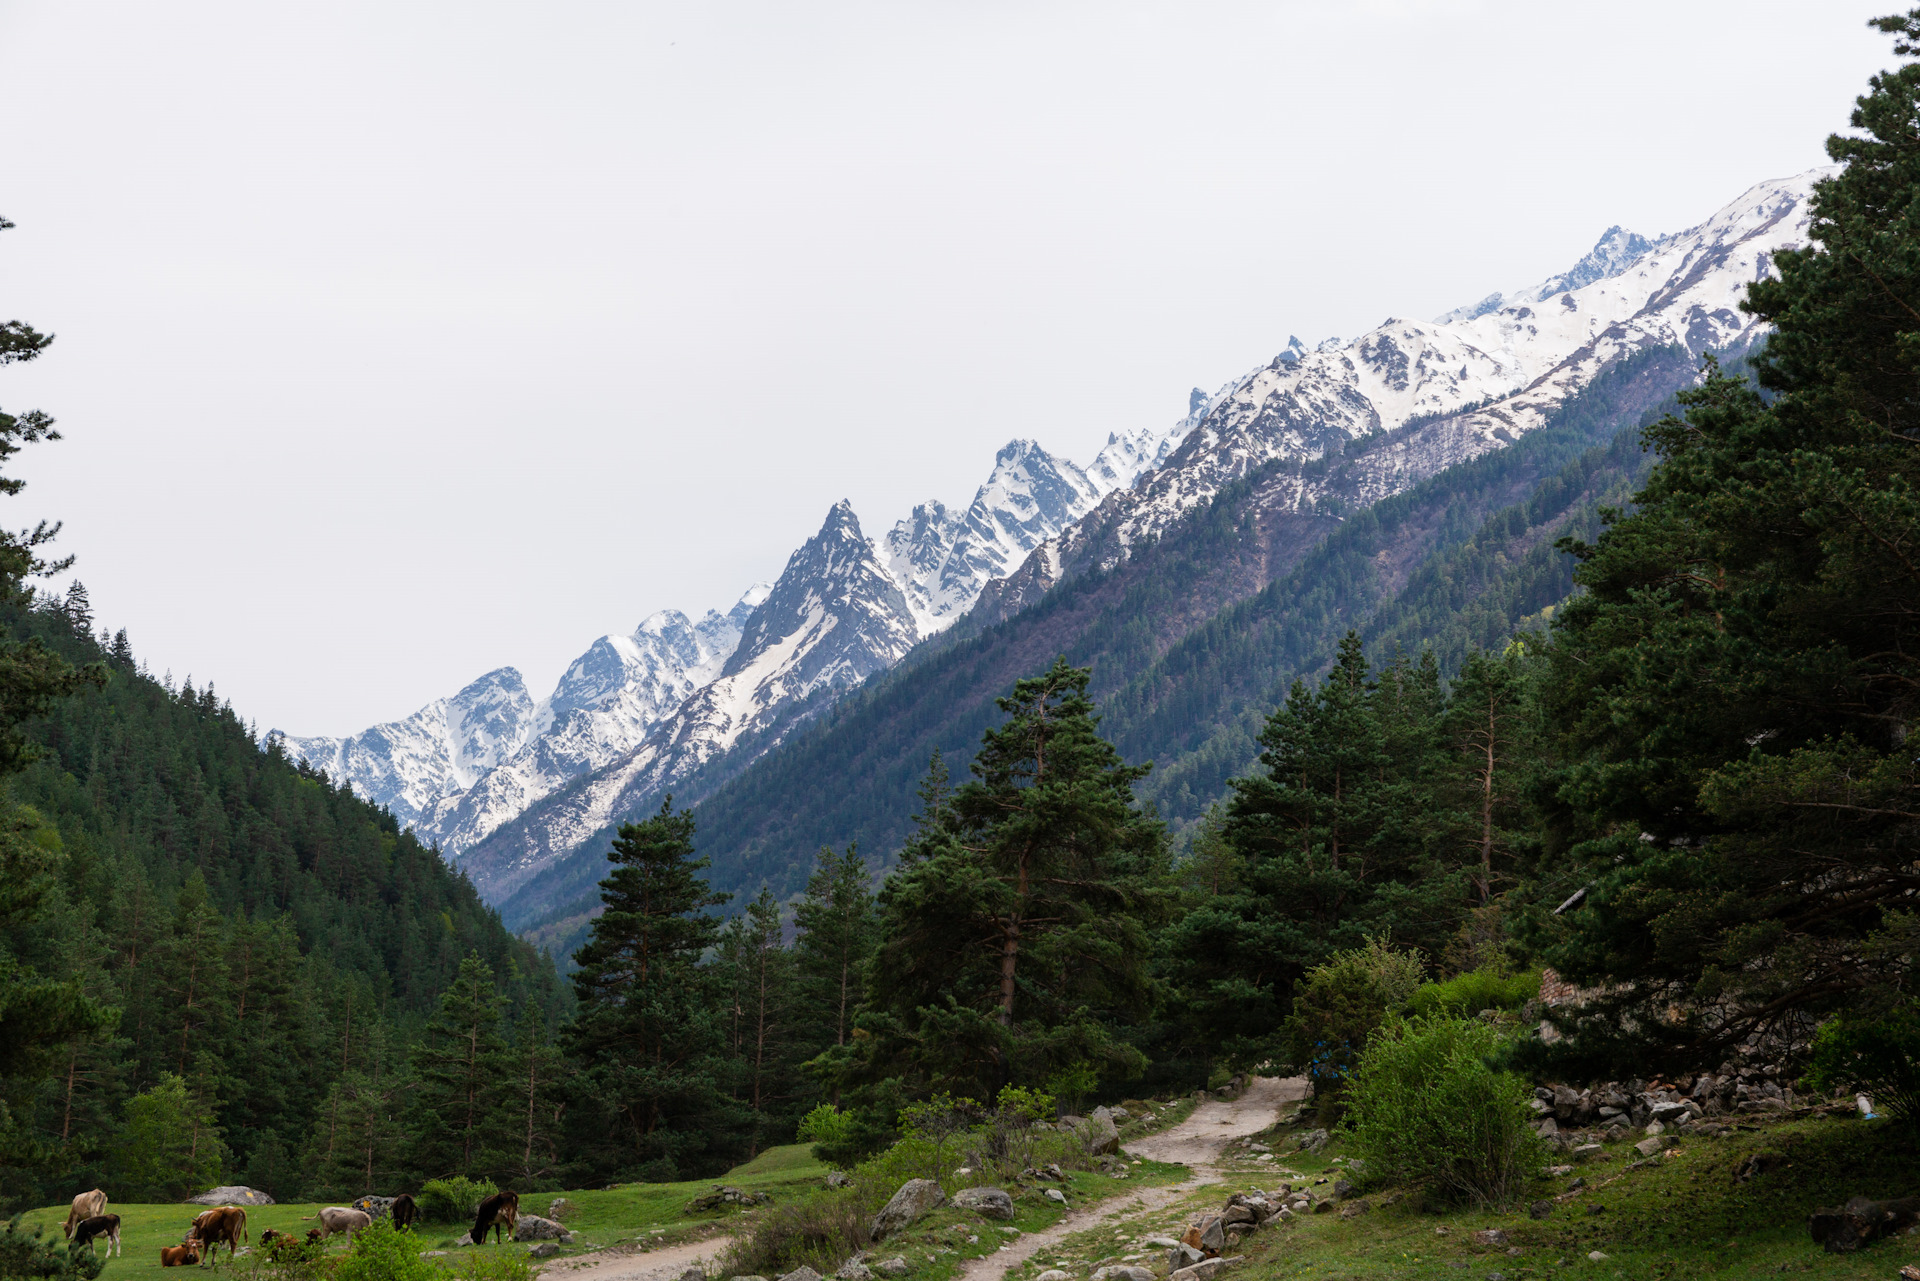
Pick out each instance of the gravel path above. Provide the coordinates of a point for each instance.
(1196, 1143)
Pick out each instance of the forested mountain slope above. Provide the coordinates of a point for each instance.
(1192, 640)
(262, 931)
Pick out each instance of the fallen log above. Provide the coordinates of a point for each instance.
(1861, 1220)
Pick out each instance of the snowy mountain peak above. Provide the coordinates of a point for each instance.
(1615, 252)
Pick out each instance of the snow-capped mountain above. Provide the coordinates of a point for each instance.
(459, 767)
(1411, 398)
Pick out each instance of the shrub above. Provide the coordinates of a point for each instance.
(499, 1266)
(1336, 1006)
(453, 1200)
(1876, 1055)
(382, 1252)
(1426, 1106)
(1465, 995)
(29, 1254)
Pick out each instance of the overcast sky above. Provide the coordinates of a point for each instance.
(402, 341)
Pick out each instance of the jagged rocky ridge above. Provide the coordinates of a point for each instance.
(461, 767)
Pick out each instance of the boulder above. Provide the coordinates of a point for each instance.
(1182, 1255)
(1492, 1238)
(1652, 1145)
(839, 1179)
(801, 1273)
(1202, 1271)
(1539, 1209)
(1355, 1208)
(546, 1250)
(1122, 1272)
(723, 1196)
(1213, 1234)
(989, 1203)
(534, 1228)
(1101, 1134)
(233, 1195)
(914, 1201)
(693, 1272)
(1239, 1214)
(375, 1207)
(894, 1267)
(1056, 1196)
(854, 1270)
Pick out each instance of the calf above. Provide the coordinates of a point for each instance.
(180, 1256)
(100, 1225)
(501, 1210)
(404, 1211)
(87, 1205)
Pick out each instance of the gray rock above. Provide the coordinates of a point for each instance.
(1160, 1243)
(1313, 1141)
(839, 1179)
(1540, 1209)
(1122, 1272)
(854, 1270)
(1213, 1233)
(1492, 1237)
(697, 1273)
(1101, 1134)
(1057, 1196)
(1585, 1151)
(1651, 1146)
(914, 1201)
(233, 1195)
(1353, 1208)
(894, 1267)
(534, 1228)
(1054, 1274)
(801, 1273)
(375, 1207)
(546, 1250)
(1202, 1271)
(990, 1203)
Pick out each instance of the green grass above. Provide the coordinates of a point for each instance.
(650, 1213)
(1687, 1217)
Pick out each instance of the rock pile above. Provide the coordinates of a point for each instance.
(1201, 1251)
(231, 1196)
(723, 1196)
(1615, 1109)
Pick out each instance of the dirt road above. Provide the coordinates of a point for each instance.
(1196, 1142)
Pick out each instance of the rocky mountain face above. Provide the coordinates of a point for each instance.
(1424, 396)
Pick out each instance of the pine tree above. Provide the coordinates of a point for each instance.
(1489, 720)
(531, 1118)
(194, 1009)
(460, 1065)
(647, 1040)
(769, 1019)
(838, 924)
(1015, 929)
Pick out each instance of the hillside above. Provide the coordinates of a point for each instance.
(261, 929)
(1192, 640)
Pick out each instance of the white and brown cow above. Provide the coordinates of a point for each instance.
(87, 1205)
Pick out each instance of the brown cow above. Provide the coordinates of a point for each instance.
(502, 1209)
(338, 1218)
(405, 1211)
(228, 1223)
(100, 1225)
(87, 1205)
(180, 1256)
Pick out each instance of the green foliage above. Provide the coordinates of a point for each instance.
(169, 1148)
(649, 1040)
(452, 1200)
(1468, 994)
(458, 1066)
(1015, 930)
(1425, 1106)
(1733, 689)
(383, 1252)
(1875, 1053)
(481, 1265)
(827, 1127)
(1338, 1005)
(31, 1254)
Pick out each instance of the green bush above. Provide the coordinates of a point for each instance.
(1878, 1055)
(1465, 995)
(1425, 1106)
(1336, 1007)
(499, 1266)
(28, 1254)
(382, 1252)
(453, 1200)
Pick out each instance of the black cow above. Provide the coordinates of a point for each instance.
(501, 1210)
(100, 1225)
(405, 1213)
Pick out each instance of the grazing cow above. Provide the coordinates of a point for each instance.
(404, 1211)
(87, 1205)
(501, 1210)
(338, 1218)
(100, 1225)
(180, 1256)
(227, 1223)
